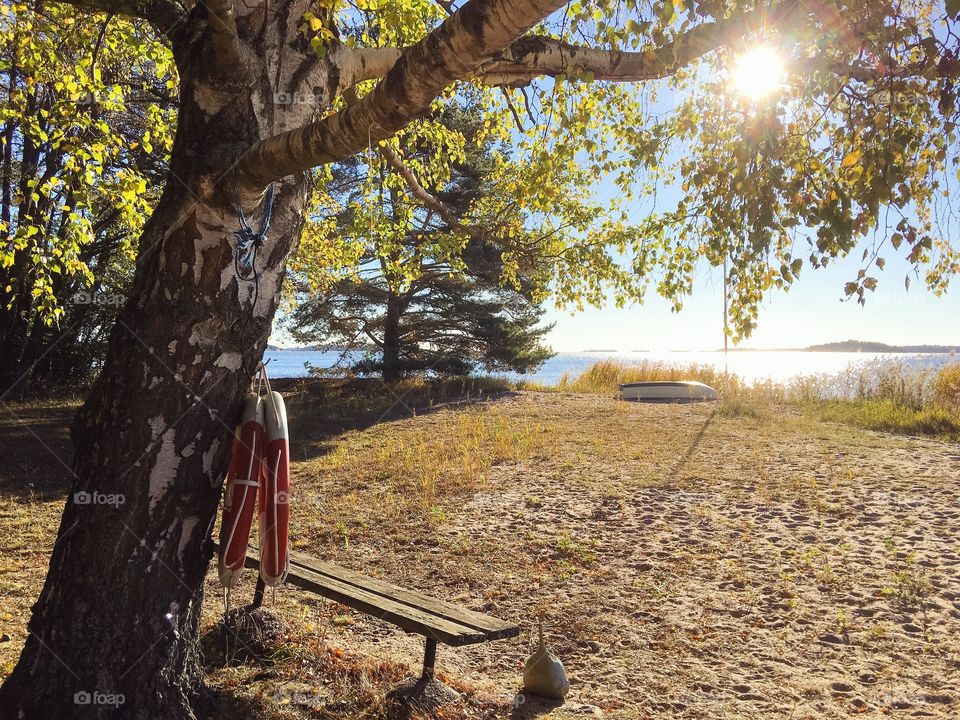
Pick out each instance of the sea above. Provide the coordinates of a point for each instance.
(751, 365)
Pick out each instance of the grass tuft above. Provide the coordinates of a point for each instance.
(946, 389)
(606, 376)
(889, 416)
(886, 396)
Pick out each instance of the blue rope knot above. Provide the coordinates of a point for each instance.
(245, 255)
(249, 242)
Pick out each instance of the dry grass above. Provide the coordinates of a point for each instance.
(606, 376)
(677, 551)
(886, 396)
(415, 473)
(946, 389)
(33, 485)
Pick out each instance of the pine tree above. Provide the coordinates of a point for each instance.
(417, 310)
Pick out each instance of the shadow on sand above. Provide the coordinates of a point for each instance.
(534, 706)
(694, 445)
(35, 437)
(320, 410)
(37, 451)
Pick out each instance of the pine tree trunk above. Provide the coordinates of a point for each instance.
(118, 614)
(391, 338)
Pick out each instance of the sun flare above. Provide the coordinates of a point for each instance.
(758, 72)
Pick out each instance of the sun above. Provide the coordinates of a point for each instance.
(758, 72)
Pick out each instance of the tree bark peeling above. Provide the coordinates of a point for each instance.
(119, 610)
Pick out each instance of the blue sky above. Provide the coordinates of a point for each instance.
(815, 310)
(812, 312)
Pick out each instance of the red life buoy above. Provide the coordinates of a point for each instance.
(275, 493)
(240, 495)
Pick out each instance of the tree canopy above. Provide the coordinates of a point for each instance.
(634, 161)
(854, 151)
(87, 111)
(418, 296)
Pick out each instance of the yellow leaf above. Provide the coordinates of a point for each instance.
(852, 158)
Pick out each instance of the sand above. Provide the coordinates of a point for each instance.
(688, 565)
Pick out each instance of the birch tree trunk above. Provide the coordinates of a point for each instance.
(114, 630)
(118, 616)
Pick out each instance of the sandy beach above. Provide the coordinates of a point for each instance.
(687, 564)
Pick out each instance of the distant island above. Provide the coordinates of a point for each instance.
(866, 346)
(879, 347)
(317, 348)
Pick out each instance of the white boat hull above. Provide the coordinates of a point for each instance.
(667, 392)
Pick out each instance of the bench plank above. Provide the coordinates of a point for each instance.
(492, 627)
(403, 616)
(411, 611)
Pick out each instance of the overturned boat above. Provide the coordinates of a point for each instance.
(679, 391)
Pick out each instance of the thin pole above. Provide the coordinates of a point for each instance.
(726, 365)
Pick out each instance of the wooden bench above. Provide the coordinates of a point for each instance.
(437, 620)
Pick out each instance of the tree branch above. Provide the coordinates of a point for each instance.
(164, 14)
(361, 64)
(536, 56)
(453, 51)
(539, 56)
(426, 198)
(222, 21)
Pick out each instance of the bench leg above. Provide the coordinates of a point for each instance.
(258, 595)
(429, 658)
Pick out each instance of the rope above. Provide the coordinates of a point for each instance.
(263, 379)
(248, 241)
(226, 631)
(248, 249)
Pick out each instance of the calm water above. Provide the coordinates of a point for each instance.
(751, 366)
